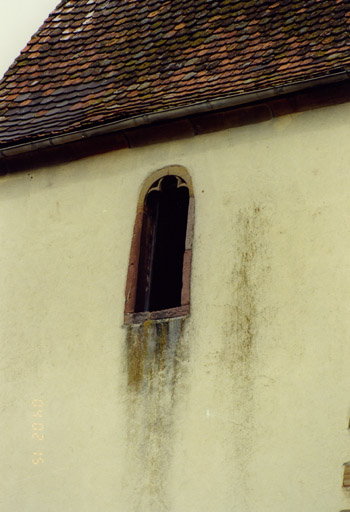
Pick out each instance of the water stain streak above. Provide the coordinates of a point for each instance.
(155, 357)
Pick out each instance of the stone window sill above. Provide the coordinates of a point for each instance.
(140, 318)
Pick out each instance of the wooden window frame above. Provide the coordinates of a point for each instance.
(130, 316)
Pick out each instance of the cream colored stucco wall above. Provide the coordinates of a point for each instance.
(247, 407)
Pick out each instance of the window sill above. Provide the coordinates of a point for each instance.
(164, 314)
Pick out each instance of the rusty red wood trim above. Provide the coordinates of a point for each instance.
(186, 278)
(131, 281)
(130, 316)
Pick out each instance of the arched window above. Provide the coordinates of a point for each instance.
(158, 284)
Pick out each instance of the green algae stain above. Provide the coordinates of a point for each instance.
(136, 347)
(239, 353)
(245, 308)
(155, 360)
(248, 276)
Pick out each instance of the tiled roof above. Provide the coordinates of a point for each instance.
(96, 61)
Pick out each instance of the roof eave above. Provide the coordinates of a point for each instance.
(180, 112)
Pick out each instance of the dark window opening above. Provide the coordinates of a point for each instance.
(160, 269)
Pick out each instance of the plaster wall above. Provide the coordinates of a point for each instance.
(242, 406)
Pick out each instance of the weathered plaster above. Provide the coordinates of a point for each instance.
(243, 407)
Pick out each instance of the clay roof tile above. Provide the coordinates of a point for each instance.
(93, 61)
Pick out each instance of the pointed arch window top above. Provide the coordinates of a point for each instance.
(158, 283)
